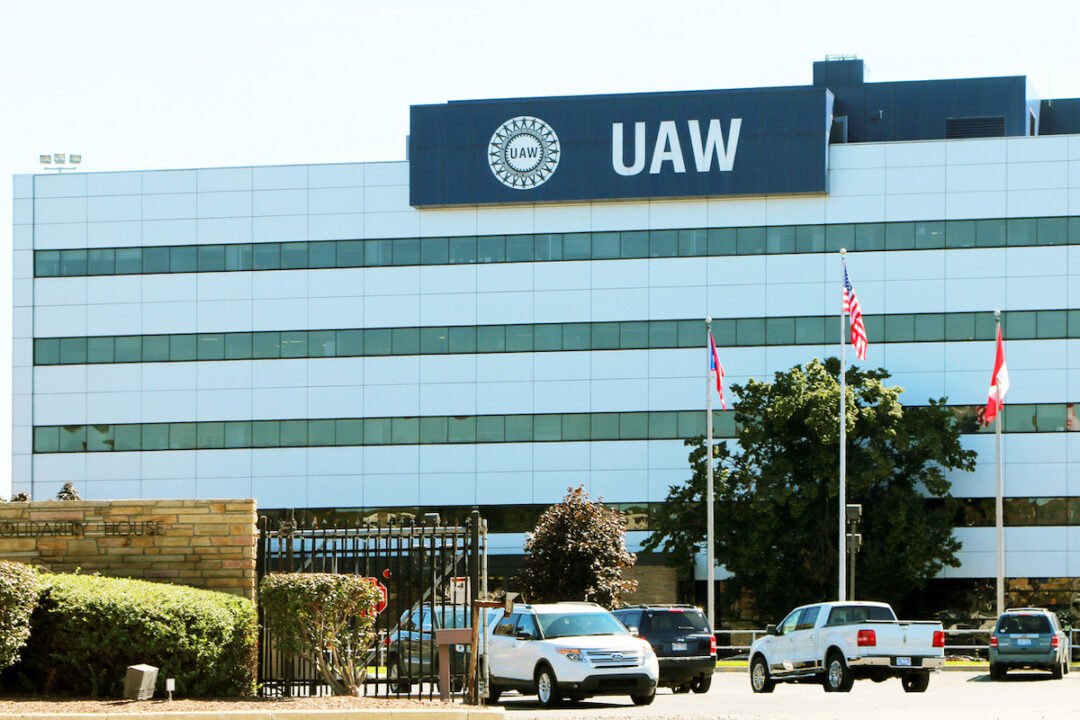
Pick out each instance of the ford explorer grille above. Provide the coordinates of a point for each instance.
(614, 658)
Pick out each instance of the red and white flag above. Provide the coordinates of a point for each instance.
(715, 366)
(851, 307)
(999, 383)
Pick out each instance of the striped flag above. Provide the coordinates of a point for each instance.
(715, 366)
(851, 307)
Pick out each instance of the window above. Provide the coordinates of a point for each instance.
(519, 428)
(99, 438)
(790, 622)
(808, 618)
(505, 627)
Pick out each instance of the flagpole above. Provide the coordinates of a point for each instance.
(710, 560)
(842, 497)
(998, 501)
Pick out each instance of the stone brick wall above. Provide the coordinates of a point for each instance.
(203, 543)
(656, 584)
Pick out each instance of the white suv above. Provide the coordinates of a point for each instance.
(572, 650)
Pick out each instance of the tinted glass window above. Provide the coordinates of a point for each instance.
(809, 617)
(790, 622)
(505, 627)
(526, 623)
(847, 614)
(677, 621)
(1024, 624)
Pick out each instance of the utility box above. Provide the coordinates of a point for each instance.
(139, 682)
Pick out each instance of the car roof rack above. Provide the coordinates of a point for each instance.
(1027, 609)
(660, 605)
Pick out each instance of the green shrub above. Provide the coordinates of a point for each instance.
(327, 619)
(19, 588)
(88, 629)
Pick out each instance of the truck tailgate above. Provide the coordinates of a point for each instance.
(906, 639)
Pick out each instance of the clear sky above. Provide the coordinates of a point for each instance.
(141, 84)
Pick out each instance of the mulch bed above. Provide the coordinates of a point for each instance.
(12, 705)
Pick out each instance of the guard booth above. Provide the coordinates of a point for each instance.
(430, 571)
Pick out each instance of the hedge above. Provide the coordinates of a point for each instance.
(19, 588)
(88, 629)
(326, 618)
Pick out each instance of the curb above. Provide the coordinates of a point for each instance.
(355, 714)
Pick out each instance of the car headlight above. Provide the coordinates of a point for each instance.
(572, 654)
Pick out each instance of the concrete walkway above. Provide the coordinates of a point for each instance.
(455, 713)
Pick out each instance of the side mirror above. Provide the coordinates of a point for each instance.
(771, 630)
(524, 635)
(633, 630)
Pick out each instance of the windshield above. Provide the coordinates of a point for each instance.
(555, 625)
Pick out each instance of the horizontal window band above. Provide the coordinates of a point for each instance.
(464, 429)
(549, 337)
(548, 247)
(970, 512)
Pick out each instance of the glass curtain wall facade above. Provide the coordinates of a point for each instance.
(303, 336)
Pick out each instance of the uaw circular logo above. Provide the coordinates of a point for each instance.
(524, 152)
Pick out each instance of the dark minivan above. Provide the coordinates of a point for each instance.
(683, 642)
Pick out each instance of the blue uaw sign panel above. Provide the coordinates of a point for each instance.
(692, 144)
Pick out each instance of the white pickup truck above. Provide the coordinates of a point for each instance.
(836, 643)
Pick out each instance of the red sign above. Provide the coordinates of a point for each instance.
(381, 605)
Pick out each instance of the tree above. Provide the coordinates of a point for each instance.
(777, 497)
(578, 552)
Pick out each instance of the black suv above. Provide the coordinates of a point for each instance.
(682, 640)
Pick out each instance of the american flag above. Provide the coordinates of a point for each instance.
(851, 307)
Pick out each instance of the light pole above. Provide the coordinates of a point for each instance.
(56, 161)
(854, 543)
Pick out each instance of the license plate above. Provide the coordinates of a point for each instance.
(903, 661)
(1023, 641)
(678, 647)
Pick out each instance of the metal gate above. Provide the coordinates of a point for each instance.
(430, 571)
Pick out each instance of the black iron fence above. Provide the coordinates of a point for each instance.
(430, 572)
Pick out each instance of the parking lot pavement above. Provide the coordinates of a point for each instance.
(952, 695)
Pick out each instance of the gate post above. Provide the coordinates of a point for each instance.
(474, 559)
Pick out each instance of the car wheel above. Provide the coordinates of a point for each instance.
(547, 691)
(644, 699)
(915, 682)
(838, 677)
(760, 681)
(996, 671)
(701, 684)
(1058, 671)
(493, 694)
(397, 685)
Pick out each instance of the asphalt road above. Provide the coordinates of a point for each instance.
(955, 695)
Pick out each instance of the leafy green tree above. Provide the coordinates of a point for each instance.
(578, 552)
(777, 496)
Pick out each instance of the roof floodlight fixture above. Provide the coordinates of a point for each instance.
(56, 161)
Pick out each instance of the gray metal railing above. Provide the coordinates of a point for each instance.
(738, 650)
